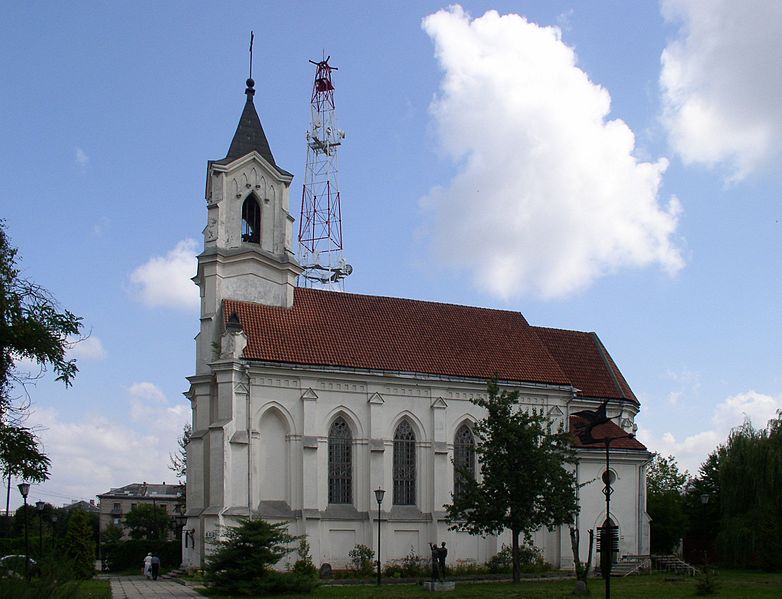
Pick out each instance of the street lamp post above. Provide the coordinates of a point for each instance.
(379, 497)
(39, 505)
(609, 537)
(24, 489)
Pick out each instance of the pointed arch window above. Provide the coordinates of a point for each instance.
(404, 464)
(251, 220)
(463, 459)
(340, 462)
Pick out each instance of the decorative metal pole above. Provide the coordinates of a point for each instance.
(608, 541)
(379, 497)
(608, 548)
(24, 489)
(39, 505)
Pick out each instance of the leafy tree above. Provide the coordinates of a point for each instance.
(111, 534)
(750, 485)
(702, 505)
(524, 482)
(147, 521)
(178, 463)
(33, 328)
(20, 456)
(79, 545)
(243, 561)
(665, 486)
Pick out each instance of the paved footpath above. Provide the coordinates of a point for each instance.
(138, 587)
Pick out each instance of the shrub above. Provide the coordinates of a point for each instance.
(530, 560)
(410, 566)
(707, 583)
(243, 560)
(304, 566)
(362, 560)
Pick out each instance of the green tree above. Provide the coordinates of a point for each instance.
(702, 504)
(178, 463)
(242, 563)
(33, 328)
(147, 521)
(79, 545)
(524, 483)
(21, 456)
(665, 485)
(750, 478)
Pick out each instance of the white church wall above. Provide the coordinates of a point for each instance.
(291, 412)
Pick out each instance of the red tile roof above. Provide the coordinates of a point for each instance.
(601, 431)
(348, 330)
(381, 333)
(587, 363)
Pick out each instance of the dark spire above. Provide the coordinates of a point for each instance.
(249, 134)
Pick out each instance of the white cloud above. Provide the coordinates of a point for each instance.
(149, 406)
(688, 383)
(722, 93)
(164, 281)
(81, 157)
(691, 451)
(549, 195)
(92, 455)
(89, 348)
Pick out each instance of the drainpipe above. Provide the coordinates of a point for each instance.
(246, 369)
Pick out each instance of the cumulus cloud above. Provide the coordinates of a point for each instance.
(548, 195)
(722, 94)
(149, 406)
(164, 281)
(692, 451)
(92, 455)
(89, 348)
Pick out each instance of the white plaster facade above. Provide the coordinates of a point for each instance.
(260, 430)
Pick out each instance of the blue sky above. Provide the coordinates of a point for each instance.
(601, 166)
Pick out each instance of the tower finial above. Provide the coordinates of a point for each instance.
(250, 91)
(252, 36)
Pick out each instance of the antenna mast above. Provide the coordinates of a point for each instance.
(320, 225)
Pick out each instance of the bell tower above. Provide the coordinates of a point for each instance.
(248, 248)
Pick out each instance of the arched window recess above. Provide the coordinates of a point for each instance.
(251, 220)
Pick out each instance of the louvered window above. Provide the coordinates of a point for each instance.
(404, 464)
(340, 462)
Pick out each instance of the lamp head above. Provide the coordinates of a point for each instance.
(39, 505)
(24, 489)
(379, 495)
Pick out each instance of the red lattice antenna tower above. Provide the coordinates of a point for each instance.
(320, 225)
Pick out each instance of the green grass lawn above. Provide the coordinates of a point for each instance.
(732, 584)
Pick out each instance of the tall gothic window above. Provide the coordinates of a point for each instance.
(404, 464)
(251, 220)
(463, 458)
(340, 462)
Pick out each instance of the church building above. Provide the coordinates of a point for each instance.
(306, 401)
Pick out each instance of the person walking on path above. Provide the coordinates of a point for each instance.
(147, 570)
(155, 567)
